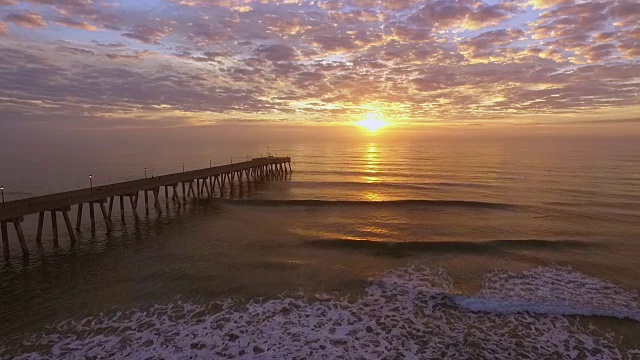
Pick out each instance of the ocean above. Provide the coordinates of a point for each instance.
(473, 248)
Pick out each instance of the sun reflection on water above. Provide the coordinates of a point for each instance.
(371, 167)
(372, 196)
(371, 161)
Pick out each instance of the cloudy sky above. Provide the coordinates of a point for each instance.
(411, 61)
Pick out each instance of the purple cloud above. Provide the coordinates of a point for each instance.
(276, 52)
(147, 34)
(28, 20)
(80, 25)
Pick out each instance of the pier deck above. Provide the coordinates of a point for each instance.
(205, 181)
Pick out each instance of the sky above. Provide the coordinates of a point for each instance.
(409, 62)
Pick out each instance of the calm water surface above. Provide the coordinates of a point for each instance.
(512, 232)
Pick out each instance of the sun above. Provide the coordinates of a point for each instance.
(373, 122)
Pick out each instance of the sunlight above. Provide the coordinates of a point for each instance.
(373, 122)
(371, 157)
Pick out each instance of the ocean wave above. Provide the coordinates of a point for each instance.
(390, 184)
(449, 246)
(390, 203)
(513, 306)
(406, 313)
(552, 291)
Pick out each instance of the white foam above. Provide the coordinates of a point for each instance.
(554, 291)
(404, 314)
(514, 306)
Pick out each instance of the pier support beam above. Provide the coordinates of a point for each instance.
(54, 227)
(205, 185)
(175, 195)
(133, 199)
(92, 215)
(79, 217)
(122, 208)
(105, 216)
(191, 191)
(5, 240)
(166, 196)
(40, 225)
(23, 244)
(216, 180)
(72, 234)
(111, 199)
(156, 199)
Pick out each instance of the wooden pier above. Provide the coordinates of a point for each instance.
(200, 183)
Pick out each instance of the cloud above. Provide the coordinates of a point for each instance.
(598, 52)
(28, 20)
(626, 13)
(80, 25)
(544, 4)
(589, 31)
(117, 88)
(413, 34)
(492, 15)
(334, 42)
(147, 34)
(277, 52)
(490, 40)
(319, 60)
(207, 56)
(435, 80)
(206, 34)
(77, 50)
(569, 20)
(137, 55)
(468, 14)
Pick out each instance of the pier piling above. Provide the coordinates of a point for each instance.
(79, 217)
(122, 208)
(67, 222)
(40, 225)
(54, 227)
(23, 244)
(5, 240)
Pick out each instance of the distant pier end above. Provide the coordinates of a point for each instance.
(200, 183)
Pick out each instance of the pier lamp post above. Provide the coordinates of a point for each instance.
(2, 191)
(268, 153)
(145, 173)
(182, 167)
(232, 159)
(91, 181)
(210, 164)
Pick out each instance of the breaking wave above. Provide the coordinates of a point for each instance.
(551, 291)
(389, 203)
(449, 246)
(407, 313)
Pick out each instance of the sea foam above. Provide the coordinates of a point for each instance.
(554, 291)
(407, 313)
